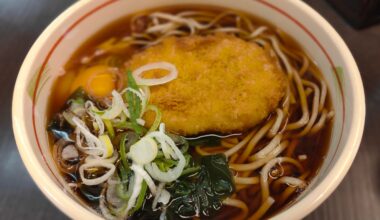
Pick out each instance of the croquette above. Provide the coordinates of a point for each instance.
(224, 84)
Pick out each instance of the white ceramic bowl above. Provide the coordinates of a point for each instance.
(67, 32)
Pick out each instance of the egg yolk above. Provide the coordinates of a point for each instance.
(98, 81)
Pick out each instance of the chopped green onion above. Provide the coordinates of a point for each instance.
(123, 125)
(165, 164)
(157, 119)
(105, 139)
(122, 151)
(123, 173)
(121, 190)
(141, 197)
(143, 151)
(109, 128)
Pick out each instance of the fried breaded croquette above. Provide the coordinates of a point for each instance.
(224, 84)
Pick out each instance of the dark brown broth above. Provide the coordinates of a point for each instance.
(314, 147)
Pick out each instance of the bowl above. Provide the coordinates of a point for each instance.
(68, 31)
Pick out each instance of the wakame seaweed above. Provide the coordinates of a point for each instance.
(201, 194)
(146, 213)
(205, 141)
(205, 191)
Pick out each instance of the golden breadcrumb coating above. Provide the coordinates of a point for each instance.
(224, 84)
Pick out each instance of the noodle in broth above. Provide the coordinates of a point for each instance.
(272, 162)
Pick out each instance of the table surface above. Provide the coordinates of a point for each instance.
(21, 21)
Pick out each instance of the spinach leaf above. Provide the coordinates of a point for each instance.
(202, 194)
(146, 213)
(134, 103)
(205, 141)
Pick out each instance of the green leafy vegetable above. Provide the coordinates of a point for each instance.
(219, 175)
(204, 192)
(146, 213)
(205, 141)
(134, 103)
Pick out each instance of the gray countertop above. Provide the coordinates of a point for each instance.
(21, 21)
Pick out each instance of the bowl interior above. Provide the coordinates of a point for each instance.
(55, 46)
